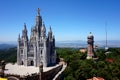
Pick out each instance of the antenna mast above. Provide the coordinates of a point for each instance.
(106, 32)
(106, 47)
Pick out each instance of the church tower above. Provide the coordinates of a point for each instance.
(90, 49)
(40, 48)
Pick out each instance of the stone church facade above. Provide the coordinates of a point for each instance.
(39, 48)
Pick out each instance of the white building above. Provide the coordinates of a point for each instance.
(39, 48)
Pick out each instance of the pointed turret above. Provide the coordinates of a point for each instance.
(53, 41)
(38, 11)
(50, 33)
(43, 27)
(19, 37)
(43, 30)
(50, 30)
(38, 22)
(24, 33)
(25, 29)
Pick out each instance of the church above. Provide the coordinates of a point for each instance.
(40, 48)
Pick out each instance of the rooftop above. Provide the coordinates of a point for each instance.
(24, 70)
(96, 78)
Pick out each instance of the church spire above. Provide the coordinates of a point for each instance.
(24, 32)
(25, 29)
(50, 33)
(43, 30)
(50, 30)
(43, 27)
(19, 37)
(38, 22)
(38, 11)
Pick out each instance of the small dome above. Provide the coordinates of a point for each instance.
(90, 35)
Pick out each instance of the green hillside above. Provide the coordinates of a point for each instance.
(9, 55)
(79, 68)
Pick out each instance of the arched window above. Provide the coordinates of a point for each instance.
(41, 52)
(22, 63)
(32, 63)
(21, 51)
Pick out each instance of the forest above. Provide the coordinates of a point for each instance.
(106, 66)
(8, 55)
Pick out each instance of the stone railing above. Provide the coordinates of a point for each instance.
(59, 75)
(49, 75)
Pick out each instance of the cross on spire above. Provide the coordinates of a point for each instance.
(38, 11)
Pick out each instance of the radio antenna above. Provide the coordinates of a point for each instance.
(106, 46)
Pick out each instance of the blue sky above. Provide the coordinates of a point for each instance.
(69, 19)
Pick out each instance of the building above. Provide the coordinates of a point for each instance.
(90, 47)
(83, 50)
(96, 78)
(39, 48)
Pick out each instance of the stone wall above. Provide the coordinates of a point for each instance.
(59, 75)
(49, 75)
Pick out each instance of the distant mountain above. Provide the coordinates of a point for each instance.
(69, 44)
(82, 44)
(9, 42)
(110, 43)
(7, 46)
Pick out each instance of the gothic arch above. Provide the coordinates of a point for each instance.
(31, 62)
(22, 63)
(41, 52)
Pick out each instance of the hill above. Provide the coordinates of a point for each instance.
(9, 55)
(79, 68)
(82, 44)
(7, 46)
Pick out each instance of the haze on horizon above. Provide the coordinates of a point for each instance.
(69, 19)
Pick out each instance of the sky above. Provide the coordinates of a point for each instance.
(69, 19)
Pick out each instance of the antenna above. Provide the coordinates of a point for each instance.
(106, 32)
(106, 47)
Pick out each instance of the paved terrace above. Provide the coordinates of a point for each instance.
(23, 70)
